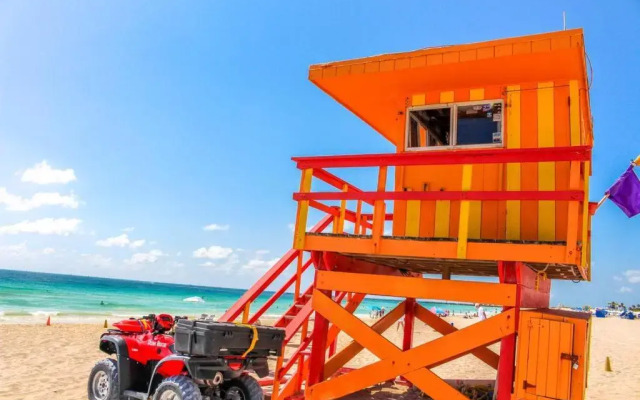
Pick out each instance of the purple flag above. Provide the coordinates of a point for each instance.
(625, 192)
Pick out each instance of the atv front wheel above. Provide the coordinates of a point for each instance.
(242, 388)
(177, 387)
(103, 381)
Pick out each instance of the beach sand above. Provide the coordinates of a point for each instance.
(40, 362)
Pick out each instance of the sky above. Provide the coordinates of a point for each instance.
(154, 143)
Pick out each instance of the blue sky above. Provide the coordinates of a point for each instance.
(175, 117)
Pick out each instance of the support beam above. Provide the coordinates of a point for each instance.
(419, 288)
(409, 317)
(411, 364)
(426, 380)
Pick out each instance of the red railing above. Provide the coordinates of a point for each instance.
(577, 156)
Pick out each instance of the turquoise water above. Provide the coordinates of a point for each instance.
(32, 296)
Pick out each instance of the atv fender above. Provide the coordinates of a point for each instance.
(175, 357)
(112, 344)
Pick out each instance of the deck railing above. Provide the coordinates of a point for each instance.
(315, 167)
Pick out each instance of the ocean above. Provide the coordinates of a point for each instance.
(30, 297)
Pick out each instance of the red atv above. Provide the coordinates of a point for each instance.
(162, 358)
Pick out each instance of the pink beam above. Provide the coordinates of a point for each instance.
(448, 157)
(561, 195)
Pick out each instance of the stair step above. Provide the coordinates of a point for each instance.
(298, 305)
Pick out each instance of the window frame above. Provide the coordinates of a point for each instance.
(454, 126)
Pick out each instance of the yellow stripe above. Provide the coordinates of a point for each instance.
(412, 226)
(475, 207)
(443, 207)
(513, 169)
(574, 112)
(418, 100)
(546, 170)
(303, 210)
(463, 227)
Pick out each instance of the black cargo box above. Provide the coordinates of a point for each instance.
(213, 339)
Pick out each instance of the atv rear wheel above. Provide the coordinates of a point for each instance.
(244, 387)
(177, 387)
(103, 381)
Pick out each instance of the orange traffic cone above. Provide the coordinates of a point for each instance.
(49, 321)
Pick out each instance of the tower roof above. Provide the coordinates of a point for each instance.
(377, 89)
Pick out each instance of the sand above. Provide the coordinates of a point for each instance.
(40, 362)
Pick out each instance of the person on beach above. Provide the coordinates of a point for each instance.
(481, 313)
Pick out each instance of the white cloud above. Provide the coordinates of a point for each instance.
(96, 260)
(145, 258)
(48, 250)
(137, 243)
(291, 227)
(625, 289)
(13, 250)
(121, 241)
(632, 275)
(259, 265)
(44, 226)
(213, 252)
(43, 174)
(262, 252)
(14, 202)
(208, 264)
(128, 229)
(216, 227)
(617, 278)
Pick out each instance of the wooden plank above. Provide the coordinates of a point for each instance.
(532, 362)
(443, 211)
(546, 170)
(303, 210)
(529, 171)
(419, 288)
(585, 262)
(463, 229)
(411, 362)
(564, 369)
(574, 112)
(412, 226)
(552, 365)
(443, 207)
(542, 253)
(543, 358)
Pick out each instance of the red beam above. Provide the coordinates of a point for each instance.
(566, 195)
(448, 157)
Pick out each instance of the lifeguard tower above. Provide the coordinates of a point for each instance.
(489, 178)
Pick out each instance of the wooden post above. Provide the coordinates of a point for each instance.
(319, 337)
(303, 210)
(276, 377)
(379, 209)
(356, 229)
(508, 274)
(409, 317)
(343, 210)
